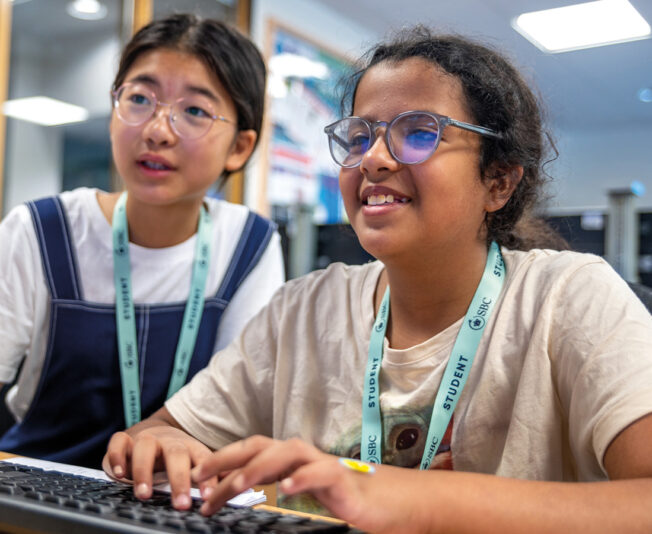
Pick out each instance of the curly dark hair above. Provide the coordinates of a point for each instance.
(498, 98)
(227, 53)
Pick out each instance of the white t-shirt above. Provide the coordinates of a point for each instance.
(158, 276)
(565, 364)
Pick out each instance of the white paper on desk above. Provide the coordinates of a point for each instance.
(246, 498)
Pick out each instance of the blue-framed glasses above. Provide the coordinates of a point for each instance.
(190, 117)
(411, 137)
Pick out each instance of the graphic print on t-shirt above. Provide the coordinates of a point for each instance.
(404, 438)
(404, 430)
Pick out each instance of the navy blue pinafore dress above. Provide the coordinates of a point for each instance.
(77, 405)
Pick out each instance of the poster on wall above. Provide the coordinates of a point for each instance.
(304, 96)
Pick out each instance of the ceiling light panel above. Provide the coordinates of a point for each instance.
(584, 25)
(87, 9)
(44, 110)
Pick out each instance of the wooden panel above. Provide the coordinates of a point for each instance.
(243, 16)
(5, 45)
(143, 12)
(234, 187)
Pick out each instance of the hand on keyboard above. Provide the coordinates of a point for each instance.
(133, 456)
(363, 495)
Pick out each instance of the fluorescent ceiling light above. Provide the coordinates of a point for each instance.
(44, 110)
(86, 9)
(582, 25)
(288, 65)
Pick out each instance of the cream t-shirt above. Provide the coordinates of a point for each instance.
(565, 364)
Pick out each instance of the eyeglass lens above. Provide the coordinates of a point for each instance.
(190, 117)
(412, 139)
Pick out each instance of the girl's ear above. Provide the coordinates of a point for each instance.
(241, 149)
(501, 181)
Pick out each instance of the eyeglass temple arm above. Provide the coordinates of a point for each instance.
(338, 139)
(473, 128)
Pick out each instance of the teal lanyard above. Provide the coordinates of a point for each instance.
(455, 375)
(126, 319)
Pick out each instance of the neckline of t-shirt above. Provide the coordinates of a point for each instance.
(102, 228)
(441, 344)
(438, 346)
(434, 347)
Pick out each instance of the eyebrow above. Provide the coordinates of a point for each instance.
(150, 80)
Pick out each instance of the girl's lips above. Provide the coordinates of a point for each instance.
(154, 162)
(382, 209)
(382, 196)
(155, 167)
(379, 200)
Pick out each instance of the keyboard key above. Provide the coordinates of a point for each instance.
(14, 475)
(198, 528)
(71, 503)
(5, 467)
(174, 523)
(92, 507)
(149, 518)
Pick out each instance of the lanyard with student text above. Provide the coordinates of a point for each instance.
(126, 319)
(455, 375)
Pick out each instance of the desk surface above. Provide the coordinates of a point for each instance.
(5, 455)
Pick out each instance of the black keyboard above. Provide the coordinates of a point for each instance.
(51, 501)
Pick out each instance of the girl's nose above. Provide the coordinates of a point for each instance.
(378, 160)
(158, 129)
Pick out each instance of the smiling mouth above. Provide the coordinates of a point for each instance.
(379, 200)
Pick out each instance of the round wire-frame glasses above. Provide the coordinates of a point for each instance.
(190, 117)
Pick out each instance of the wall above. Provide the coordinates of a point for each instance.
(32, 152)
(589, 167)
(77, 69)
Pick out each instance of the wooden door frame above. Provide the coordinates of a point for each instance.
(234, 187)
(5, 47)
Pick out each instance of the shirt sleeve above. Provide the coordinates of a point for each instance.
(20, 272)
(233, 397)
(254, 292)
(602, 355)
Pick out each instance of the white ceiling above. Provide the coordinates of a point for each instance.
(583, 90)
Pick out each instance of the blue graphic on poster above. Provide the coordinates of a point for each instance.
(304, 97)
